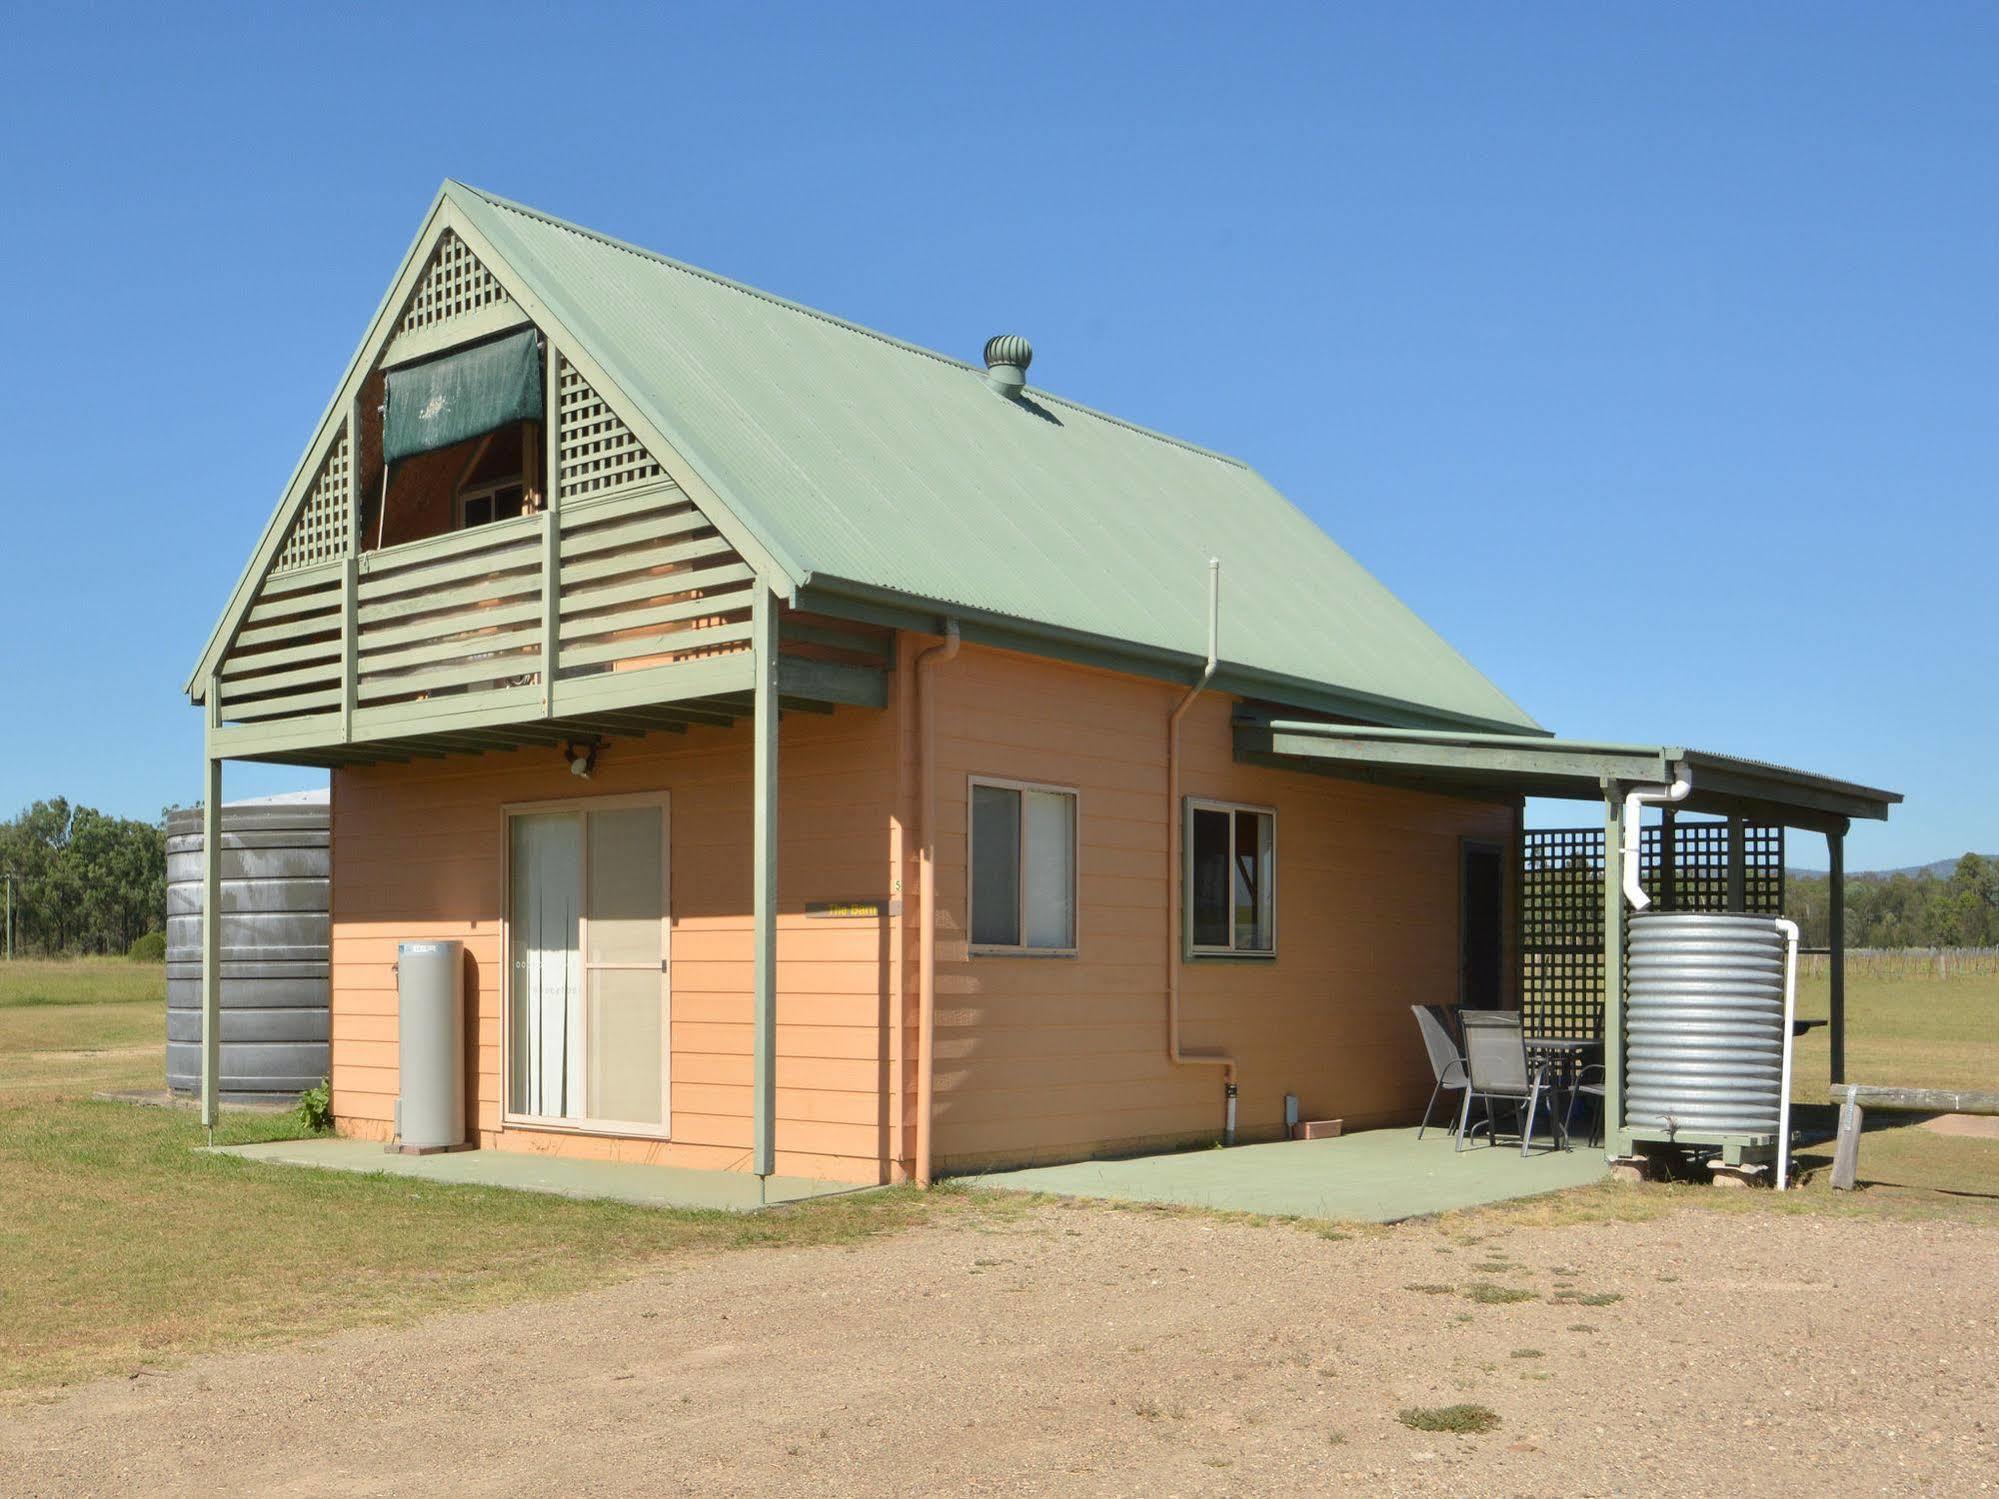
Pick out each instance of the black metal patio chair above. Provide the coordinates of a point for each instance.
(1499, 1070)
(1446, 1061)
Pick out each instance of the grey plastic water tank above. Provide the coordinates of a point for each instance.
(430, 1044)
(1704, 1029)
(276, 867)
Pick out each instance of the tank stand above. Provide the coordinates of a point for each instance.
(394, 1149)
(1738, 1162)
(1746, 1174)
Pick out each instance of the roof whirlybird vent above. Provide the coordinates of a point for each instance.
(1007, 357)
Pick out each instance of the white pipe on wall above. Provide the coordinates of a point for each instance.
(1790, 930)
(1174, 873)
(1641, 796)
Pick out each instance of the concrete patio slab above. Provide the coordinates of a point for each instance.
(520, 1171)
(1377, 1176)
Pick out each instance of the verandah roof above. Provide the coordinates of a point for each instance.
(1510, 764)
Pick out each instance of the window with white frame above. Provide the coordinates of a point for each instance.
(1023, 867)
(495, 485)
(1231, 879)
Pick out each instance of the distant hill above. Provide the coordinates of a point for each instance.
(1919, 905)
(1942, 869)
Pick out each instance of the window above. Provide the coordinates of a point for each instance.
(1231, 879)
(1023, 868)
(494, 484)
(492, 502)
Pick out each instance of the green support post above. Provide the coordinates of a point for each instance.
(350, 642)
(1614, 1137)
(350, 582)
(1738, 864)
(551, 526)
(211, 931)
(1669, 859)
(1835, 844)
(764, 792)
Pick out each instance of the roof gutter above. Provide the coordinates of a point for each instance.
(873, 604)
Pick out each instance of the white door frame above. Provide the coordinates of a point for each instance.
(580, 807)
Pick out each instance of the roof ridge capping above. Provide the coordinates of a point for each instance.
(494, 200)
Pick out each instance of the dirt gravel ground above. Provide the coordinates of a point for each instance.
(1079, 1350)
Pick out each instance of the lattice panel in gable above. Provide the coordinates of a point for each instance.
(453, 284)
(324, 525)
(599, 454)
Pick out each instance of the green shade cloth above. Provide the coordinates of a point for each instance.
(467, 394)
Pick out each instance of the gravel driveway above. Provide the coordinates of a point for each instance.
(1079, 1350)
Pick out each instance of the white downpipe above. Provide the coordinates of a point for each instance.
(1174, 873)
(1790, 930)
(1643, 796)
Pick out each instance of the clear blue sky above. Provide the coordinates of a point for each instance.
(1649, 352)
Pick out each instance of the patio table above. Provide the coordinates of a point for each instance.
(1566, 1056)
(1566, 1053)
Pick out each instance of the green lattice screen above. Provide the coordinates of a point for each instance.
(1561, 906)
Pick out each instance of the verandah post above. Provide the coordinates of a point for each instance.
(551, 525)
(1835, 845)
(1613, 973)
(211, 914)
(763, 635)
(1738, 864)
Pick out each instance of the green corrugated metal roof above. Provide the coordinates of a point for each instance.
(1562, 767)
(854, 457)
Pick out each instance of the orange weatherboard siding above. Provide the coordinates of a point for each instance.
(1048, 1057)
(1037, 1057)
(421, 855)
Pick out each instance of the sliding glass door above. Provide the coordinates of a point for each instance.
(587, 993)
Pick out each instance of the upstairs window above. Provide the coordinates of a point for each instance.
(491, 502)
(1231, 880)
(493, 485)
(1023, 868)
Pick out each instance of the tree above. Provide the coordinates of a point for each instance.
(84, 881)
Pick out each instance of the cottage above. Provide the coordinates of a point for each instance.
(842, 761)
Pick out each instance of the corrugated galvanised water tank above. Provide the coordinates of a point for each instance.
(1704, 1022)
(276, 868)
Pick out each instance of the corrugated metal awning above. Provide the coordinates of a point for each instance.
(1521, 765)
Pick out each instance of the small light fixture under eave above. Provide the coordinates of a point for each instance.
(582, 757)
(1007, 357)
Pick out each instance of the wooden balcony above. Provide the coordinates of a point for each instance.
(629, 613)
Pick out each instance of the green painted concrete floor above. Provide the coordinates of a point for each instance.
(1375, 1176)
(647, 1186)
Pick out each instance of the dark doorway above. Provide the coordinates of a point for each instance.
(1482, 888)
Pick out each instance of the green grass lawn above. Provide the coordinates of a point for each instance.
(121, 1244)
(1921, 1033)
(29, 983)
